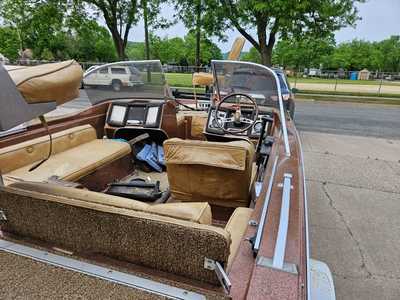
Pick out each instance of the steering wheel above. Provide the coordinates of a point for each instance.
(237, 118)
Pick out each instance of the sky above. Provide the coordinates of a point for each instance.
(380, 20)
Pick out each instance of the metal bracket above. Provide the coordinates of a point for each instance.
(280, 185)
(258, 187)
(215, 266)
(253, 223)
(268, 263)
(3, 217)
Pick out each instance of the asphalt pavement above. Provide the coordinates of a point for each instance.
(352, 164)
(353, 185)
(348, 118)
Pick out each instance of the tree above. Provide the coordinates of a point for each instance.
(306, 52)
(171, 51)
(208, 50)
(36, 23)
(152, 20)
(120, 16)
(135, 51)
(91, 42)
(390, 54)
(16, 14)
(354, 55)
(201, 17)
(176, 50)
(287, 19)
(9, 42)
(253, 56)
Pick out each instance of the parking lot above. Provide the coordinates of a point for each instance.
(352, 159)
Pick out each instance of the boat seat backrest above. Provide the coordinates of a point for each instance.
(198, 212)
(219, 173)
(152, 236)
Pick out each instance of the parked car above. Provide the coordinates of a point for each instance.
(287, 92)
(116, 76)
(3, 59)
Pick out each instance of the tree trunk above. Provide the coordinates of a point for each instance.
(265, 46)
(198, 34)
(266, 55)
(146, 30)
(119, 44)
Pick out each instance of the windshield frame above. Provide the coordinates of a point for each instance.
(278, 88)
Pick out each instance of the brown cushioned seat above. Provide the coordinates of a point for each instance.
(58, 82)
(76, 153)
(219, 173)
(237, 226)
(198, 212)
(174, 238)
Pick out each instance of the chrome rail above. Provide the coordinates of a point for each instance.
(280, 245)
(261, 224)
(308, 266)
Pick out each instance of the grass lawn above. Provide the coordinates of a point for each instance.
(185, 80)
(179, 79)
(339, 93)
(340, 81)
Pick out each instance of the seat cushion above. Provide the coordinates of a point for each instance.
(218, 173)
(58, 82)
(197, 126)
(237, 226)
(74, 163)
(26, 153)
(75, 153)
(194, 212)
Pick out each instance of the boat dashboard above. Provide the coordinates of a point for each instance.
(139, 114)
(129, 118)
(215, 123)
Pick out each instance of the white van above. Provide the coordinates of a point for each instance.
(116, 76)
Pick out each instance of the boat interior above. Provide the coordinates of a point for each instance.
(148, 182)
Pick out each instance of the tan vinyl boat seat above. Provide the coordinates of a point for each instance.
(76, 153)
(219, 173)
(198, 212)
(174, 238)
(58, 82)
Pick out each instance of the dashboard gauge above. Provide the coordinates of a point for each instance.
(216, 122)
(257, 128)
(117, 115)
(152, 114)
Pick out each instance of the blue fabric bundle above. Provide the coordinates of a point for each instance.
(153, 155)
(160, 153)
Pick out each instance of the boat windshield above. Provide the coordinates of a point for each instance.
(125, 80)
(255, 80)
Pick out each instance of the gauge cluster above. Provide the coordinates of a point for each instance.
(135, 114)
(214, 124)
